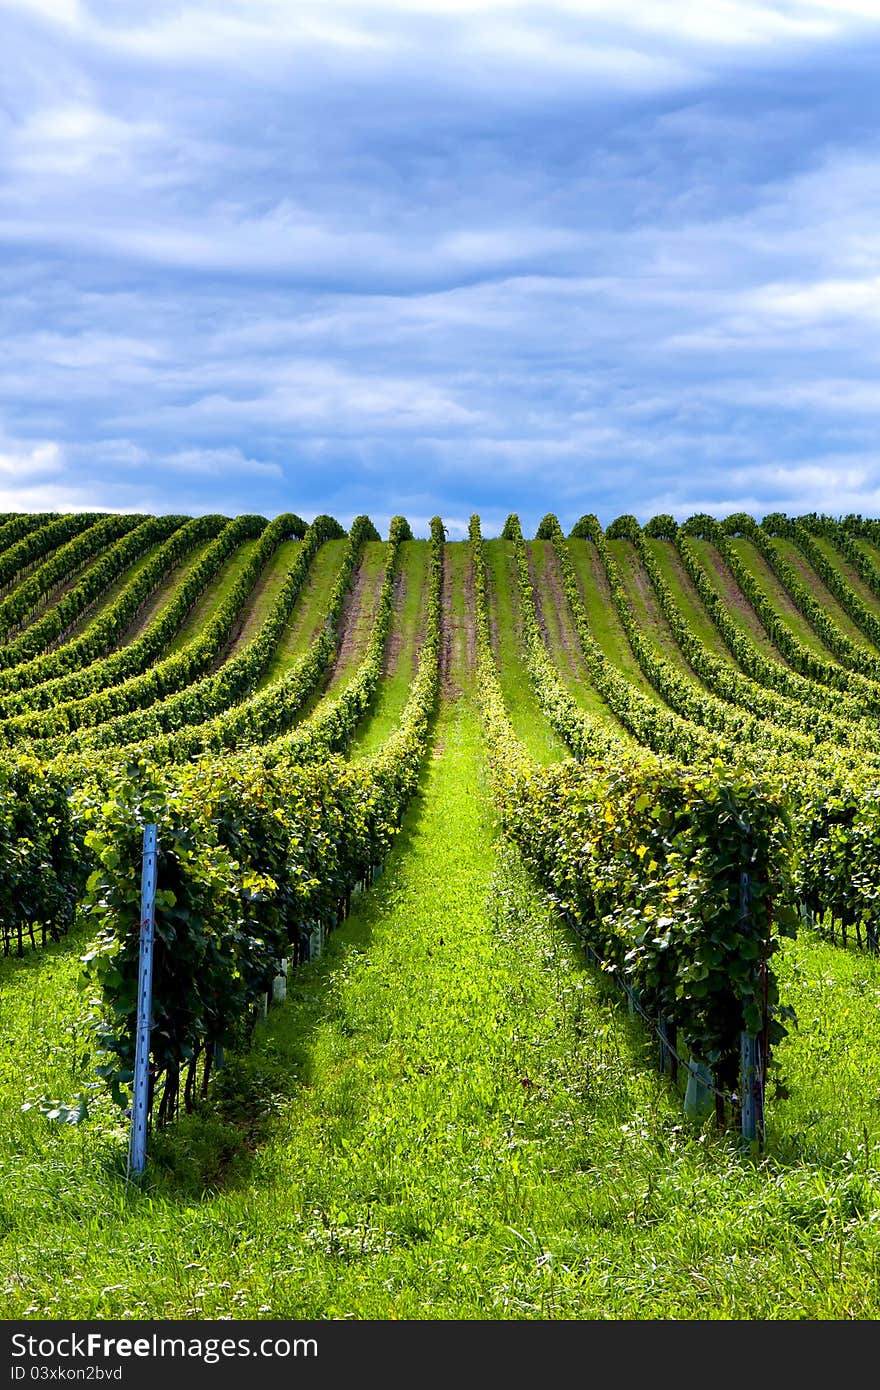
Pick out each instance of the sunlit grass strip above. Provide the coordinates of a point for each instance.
(309, 615)
(408, 625)
(213, 596)
(585, 734)
(808, 569)
(651, 859)
(108, 596)
(514, 625)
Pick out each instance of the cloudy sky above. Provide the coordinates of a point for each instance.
(440, 255)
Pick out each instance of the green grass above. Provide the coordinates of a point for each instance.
(458, 623)
(871, 551)
(407, 628)
(211, 597)
(848, 572)
(309, 612)
(450, 1117)
(823, 596)
(561, 636)
(646, 610)
(830, 1063)
(161, 595)
(738, 609)
(603, 620)
(355, 627)
(779, 597)
(528, 719)
(358, 627)
(264, 594)
(686, 597)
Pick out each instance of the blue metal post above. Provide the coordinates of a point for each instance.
(137, 1148)
(751, 1081)
(666, 1033)
(751, 1085)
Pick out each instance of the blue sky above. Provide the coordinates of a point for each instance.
(258, 255)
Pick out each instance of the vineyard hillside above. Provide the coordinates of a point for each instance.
(515, 932)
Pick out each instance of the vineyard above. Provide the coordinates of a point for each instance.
(516, 920)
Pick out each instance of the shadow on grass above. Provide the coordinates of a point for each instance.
(16, 969)
(789, 1143)
(642, 1043)
(215, 1147)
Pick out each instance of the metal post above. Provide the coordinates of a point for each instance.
(665, 1032)
(699, 1090)
(279, 984)
(137, 1147)
(751, 1085)
(751, 1080)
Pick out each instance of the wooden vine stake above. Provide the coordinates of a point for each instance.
(140, 1110)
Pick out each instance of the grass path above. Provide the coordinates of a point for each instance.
(848, 572)
(205, 607)
(201, 610)
(686, 597)
(461, 1126)
(262, 597)
(429, 1142)
(356, 623)
(402, 650)
(160, 595)
(822, 594)
(779, 597)
(560, 634)
(871, 551)
(309, 612)
(737, 606)
(645, 608)
(529, 722)
(605, 625)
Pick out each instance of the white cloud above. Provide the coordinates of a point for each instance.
(213, 462)
(391, 238)
(23, 461)
(834, 484)
(68, 12)
(636, 44)
(34, 477)
(822, 299)
(71, 139)
(37, 476)
(728, 23)
(50, 498)
(313, 396)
